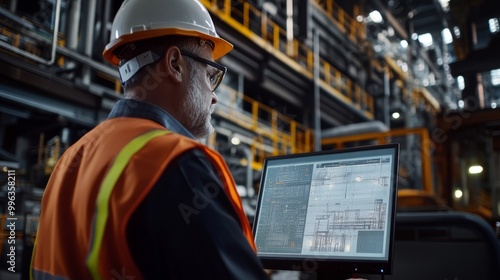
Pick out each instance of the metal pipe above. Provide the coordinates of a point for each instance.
(13, 6)
(317, 104)
(106, 17)
(74, 25)
(387, 93)
(289, 26)
(249, 183)
(23, 53)
(56, 31)
(56, 15)
(239, 95)
(88, 61)
(89, 39)
(480, 91)
(241, 82)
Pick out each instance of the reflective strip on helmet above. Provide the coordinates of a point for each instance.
(102, 203)
(128, 69)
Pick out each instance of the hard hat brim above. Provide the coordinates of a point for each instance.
(221, 46)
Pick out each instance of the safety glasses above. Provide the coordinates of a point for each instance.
(216, 78)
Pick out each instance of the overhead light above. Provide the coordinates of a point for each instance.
(375, 16)
(461, 104)
(494, 25)
(461, 82)
(425, 39)
(396, 115)
(475, 169)
(270, 8)
(404, 44)
(235, 141)
(242, 190)
(495, 77)
(390, 31)
(404, 67)
(445, 4)
(447, 38)
(458, 193)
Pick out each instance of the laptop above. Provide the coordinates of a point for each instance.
(328, 211)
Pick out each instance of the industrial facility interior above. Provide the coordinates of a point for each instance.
(303, 76)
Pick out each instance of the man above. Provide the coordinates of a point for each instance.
(137, 197)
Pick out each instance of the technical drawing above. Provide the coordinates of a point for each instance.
(347, 210)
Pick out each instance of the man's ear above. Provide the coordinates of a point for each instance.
(173, 66)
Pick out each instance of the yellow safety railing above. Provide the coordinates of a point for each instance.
(424, 144)
(262, 30)
(352, 28)
(32, 45)
(422, 96)
(277, 131)
(345, 89)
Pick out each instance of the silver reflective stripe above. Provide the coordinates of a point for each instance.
(128, 69)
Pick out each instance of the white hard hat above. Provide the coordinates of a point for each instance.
(144, 19)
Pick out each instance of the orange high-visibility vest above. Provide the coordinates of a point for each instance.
(95, 188)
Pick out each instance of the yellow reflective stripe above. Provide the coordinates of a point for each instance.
(104, 195)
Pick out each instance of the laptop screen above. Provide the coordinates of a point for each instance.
(329, 210)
